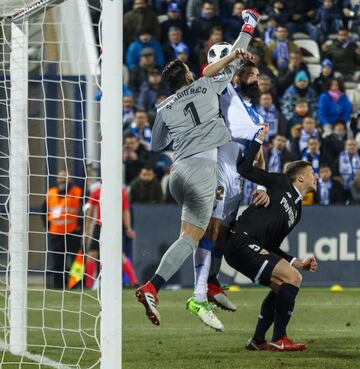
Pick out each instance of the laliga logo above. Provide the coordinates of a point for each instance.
(330, 248)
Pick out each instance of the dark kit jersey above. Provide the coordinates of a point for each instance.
(269, 226)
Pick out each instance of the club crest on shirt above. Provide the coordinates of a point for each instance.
(220, 193)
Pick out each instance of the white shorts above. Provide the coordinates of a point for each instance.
(227, 198)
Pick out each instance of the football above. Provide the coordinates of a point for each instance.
(218, 51)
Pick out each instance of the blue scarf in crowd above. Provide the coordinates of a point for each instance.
(325, 188)
(314, 160)
(304, 138)
(348, 167)
(270, 116)
(281, 54)
(275, 161)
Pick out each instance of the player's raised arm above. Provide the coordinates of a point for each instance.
(246, 168)
(214, 68)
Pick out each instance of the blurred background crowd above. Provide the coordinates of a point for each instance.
(308, 55)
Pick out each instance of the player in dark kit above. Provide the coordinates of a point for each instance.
(254, 245)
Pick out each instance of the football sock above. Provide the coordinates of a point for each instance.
(173, 259)
(202, 260)
(266, 317)
(216, 257)
(284, 306)
(157, 281)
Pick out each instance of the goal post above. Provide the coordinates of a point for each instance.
(111, 169)
(18, 227)
(53, 64)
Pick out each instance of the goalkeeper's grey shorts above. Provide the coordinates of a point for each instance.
(193, 184)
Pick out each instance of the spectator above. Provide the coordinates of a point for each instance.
(175, 39)
(344, 54)
(139, 16)
(355, 190)
(329, 190)
(345, 8)
(300, 112)
(146, 188)
(194, 9)
(277, 155)
(301, 89)
(312, 153)
(149, 91)
(61, 215)
(271, 115)
(264, 70)
(128, 110)
(328, 17)
(182, 53)
(348, 166)
(287, 74)
(174, 20)
(144, 40)
(327, 73)
(140, 127)
(277, 52)
(134, 157)
(355, 125)
(333, 104)
(279, 12)
(302, 15)
(300, 135)
(140, 74)
(270, 30)
(259, 5)
(235, 22)
(334, 143)
(266, 86)
(216, 35)
(202, 25)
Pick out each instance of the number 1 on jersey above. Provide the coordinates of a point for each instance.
(190, 108)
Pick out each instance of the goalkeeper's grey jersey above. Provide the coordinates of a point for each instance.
(191, 117)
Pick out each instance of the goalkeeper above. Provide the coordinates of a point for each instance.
(190, 119)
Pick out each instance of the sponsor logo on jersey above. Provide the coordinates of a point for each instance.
(289, 211)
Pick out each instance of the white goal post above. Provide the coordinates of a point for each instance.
(59, 328)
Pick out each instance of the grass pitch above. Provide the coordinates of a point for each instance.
(328, 322)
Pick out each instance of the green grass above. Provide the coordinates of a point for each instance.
(328, 322)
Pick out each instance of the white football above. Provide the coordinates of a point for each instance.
(218, 51)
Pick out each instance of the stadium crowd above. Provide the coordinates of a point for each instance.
(308, 55)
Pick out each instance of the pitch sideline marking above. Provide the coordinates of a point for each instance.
(38, 358)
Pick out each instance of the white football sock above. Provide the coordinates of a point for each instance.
(202, 260)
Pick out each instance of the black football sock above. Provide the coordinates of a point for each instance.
(157, 281)
(284, 307)
(266, 317)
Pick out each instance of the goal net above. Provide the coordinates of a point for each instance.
(50, 145)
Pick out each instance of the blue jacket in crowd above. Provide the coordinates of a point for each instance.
(329, 110)
(134, 52)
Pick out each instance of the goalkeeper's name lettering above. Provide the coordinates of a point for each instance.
(187, 92)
